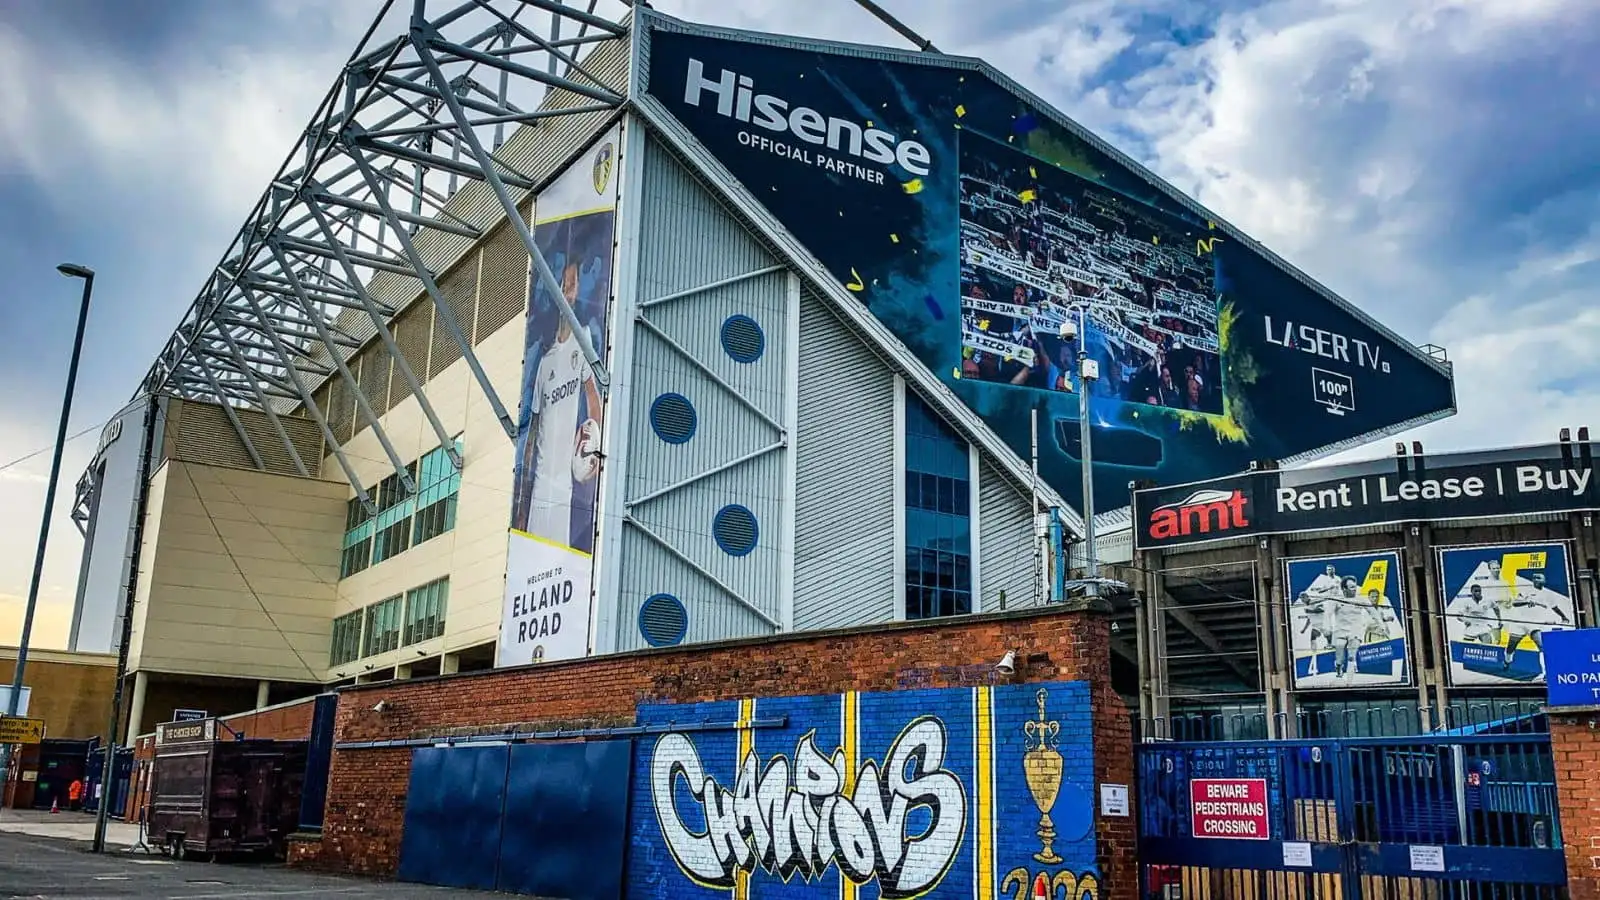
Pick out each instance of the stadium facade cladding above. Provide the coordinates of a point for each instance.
(771, 366)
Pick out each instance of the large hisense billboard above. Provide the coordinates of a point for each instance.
(974, 224)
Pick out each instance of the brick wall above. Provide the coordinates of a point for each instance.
(1575, 743)
(367, 790)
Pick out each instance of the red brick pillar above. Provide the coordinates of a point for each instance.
(1575, 744)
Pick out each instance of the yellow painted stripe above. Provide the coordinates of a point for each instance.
(747, 745)
(983, 754)
(549, 543)
(849, 732)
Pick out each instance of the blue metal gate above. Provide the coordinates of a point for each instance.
(1430, 817)
(548, 819)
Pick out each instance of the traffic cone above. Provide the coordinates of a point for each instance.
(55, 806)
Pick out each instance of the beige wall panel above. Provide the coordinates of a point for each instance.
(240, 583)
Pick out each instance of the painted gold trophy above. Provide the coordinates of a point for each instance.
(1041, 764)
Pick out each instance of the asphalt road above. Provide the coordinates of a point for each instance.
(37, 868)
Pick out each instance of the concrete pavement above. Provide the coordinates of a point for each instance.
(35, 867)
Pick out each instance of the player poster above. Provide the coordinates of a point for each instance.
(557, 470)
(1347, 621)
(1499, 601)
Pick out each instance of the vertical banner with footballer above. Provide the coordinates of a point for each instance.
(548, 559)
(1347, 621)
(1499, 602)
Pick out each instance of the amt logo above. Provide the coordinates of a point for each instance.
(1202, 512)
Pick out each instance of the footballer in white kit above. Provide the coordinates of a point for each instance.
(1478, 615)
(1535, 610)
(1318, 598)
(564, 440)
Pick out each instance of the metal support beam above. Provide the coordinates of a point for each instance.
(446, 439)
(701, 476)
(1205, 636)
(702, 571)
(707, 372)
(422, 34)
(390, 140)
(360, 398)
(233, 417)
(444, 314)
(327, 432)
(707, 288)
(266, 408)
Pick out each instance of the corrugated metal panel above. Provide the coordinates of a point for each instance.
(341, 410)
(689, 240)
(504, 292)
(460, 289)
(413, 330)
(305, 435)
(844, 527)
(710, 615)
(201, 433)
(371, 368)
(1006, 552)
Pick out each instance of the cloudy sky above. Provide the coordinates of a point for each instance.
(1431, 160)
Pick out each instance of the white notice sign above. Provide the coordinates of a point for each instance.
(1427, 858)
(1296, 854)
(546, 613)
(1114, 800)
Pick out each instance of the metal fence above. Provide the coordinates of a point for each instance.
(1425, 817)
(1347, 720)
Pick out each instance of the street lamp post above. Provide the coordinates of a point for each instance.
(71, 271)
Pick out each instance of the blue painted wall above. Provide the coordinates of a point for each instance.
(910, 793)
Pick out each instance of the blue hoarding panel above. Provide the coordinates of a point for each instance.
(1572, 659)
(566, 820)
(973, 223)
(939, 793)
(453, 811)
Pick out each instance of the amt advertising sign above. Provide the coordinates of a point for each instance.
(958, 792)
(995, 242)
(1489, 484)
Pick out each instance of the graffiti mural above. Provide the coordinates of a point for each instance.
(941, 793)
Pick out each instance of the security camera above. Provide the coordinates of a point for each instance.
(1069, 330)
(380, 706)
(1007, 664)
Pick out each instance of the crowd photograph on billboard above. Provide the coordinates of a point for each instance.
(1040, 246)
(1347, 621)
(1499, 602)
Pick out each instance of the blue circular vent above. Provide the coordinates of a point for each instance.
(672, 418)
(742, 339)
(736, 530)
(663, 620)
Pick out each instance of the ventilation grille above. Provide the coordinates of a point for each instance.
(663, 621)
(411, 332)
(460, 290)
(735, 530)
(742, 339)
(504, 296)
(373, 376)
(672, 417)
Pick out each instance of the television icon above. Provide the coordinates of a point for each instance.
(1334, 390)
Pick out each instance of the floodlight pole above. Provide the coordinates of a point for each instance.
(15, 700)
